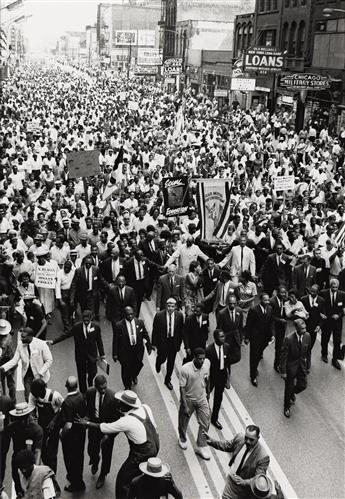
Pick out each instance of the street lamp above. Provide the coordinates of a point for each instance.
(329, 11)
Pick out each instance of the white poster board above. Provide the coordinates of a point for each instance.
(243, 84)
(284, 183)
(45, 276)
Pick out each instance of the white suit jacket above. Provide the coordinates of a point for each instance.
(233, 261)
(40, 361)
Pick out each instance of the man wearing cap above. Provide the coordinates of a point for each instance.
(76, 262)
(155, 482)
(167, 333)
(38, 246)
(248, 459)
(83, 248)
(65, 230)
(6, 354)
(24, 432)
(35, 356)
(140, 428)
(293, 363)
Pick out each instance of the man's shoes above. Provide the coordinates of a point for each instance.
(254, 382)
(135, 381)
(203, 452)
(217, 424)
(94, 469)
(169, 385)
(276, 368)
(336, 364)
(100, 481)
(342, 352)
(182, 444)
(325, 360)
(71, 488)
(158, 366)
(287, 413)
(293, 397)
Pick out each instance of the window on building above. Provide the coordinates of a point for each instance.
(239, 41)
(245, 38)
(274, 4)
(301, 39)
(292, 39)
(262, 6)
(294, 3)
(303, 2)
(285, 37)
(268, 38)
(287, 3)
(268, 5)
(250, 35)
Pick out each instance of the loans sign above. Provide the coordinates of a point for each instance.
(264, 60)
(304, 81)
(172, 67)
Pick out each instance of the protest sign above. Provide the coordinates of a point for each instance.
(45, 276)
(175, 194)
(133, 105)
(159, 159)
(284, 183)
(83, 163)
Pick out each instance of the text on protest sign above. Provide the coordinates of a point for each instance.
(45, 276)
(284, 183)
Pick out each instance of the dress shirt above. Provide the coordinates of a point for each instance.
(88, 275)
(133, 428)
(172, 325)
(115, 268)
(139, 270)
(131, 329)
(86, 329)
(312, 301)
(220, 355)
(152, 246)
(199, 320)
(238, 459)
(60, 255)
(63, 281)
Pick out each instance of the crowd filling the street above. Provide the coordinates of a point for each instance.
(267, 267)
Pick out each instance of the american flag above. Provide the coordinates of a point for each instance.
(339, 236)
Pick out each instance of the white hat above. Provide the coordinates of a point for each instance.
(128, 397)
(5, 327)
(22, 409)
(42, 251)
(154, 467)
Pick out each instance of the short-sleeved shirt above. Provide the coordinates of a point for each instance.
(194, 380)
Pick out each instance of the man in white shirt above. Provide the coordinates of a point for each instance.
(63, 293)
(239, 259)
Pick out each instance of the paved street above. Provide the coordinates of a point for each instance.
(312, 439)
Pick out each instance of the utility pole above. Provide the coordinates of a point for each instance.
(129, 60)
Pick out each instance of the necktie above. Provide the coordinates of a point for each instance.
(233, 316)
(278, 260)
(333, 298)
(239, 469)
(171, 284)
(211, 274)
(241, 258)
(29, 352)
(169, 327)
(100, 405)
(139, 270)
(132, 334)
(300, 341)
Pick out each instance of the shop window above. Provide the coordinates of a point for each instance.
(250, 35)
(268, 5)
(274, 4)
(262, 6)
(268, 38)
(294, 3)
(287, 3)
(245, 38)
(239, 41)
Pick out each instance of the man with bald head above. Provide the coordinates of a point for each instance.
(128, 346)
(73, 435)
(170, 285)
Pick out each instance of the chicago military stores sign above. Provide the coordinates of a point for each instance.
(264, 60)
(304, 81)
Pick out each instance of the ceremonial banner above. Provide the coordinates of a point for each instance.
(83, 163)
(213, 196)
(175, 194)
(45, 276)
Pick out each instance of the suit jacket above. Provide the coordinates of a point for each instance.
(122, 347)
(74, 405)
(210, 284)
(129, 272)
(146, 249)
(108, 408)
(212, 356)
(257, 461)
(85, 348)
(301, 281)
(278, 313)
(193, 335)
(259, 327)
(233, 331)
(339, 305)
(292, 355)
(115, 305)
(273, 275)
(159, 331)
(80, 286)
(314, 312)
(233, 261)
(40, 360)
(106, 269)
(6, 405)
(164, 291)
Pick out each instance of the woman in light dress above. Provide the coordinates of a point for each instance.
(193, 287)
(246, 292)
(294, 309)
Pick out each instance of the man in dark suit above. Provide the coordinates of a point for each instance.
(88, 345)
(230, 320)
(316, 308)
(167, 334)
(6, 405)
(293, 363)
(279, 322)
(101, 407)
(195, 332)
(276, 270)
(320, 265)
(219, 355)
(86, 285)
(149, 246)
(334, 304)
(112, 267)
(136, 271)
(170, 285)
(303, 276)
(210, 277)
(259, 331)
(119, 297)
(248, 459)
(128, 347)
(73, 435)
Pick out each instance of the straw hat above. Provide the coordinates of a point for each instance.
(5, 327)
(21, 409)
(128, 397)
(154, 467)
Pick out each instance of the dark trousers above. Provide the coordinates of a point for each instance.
(11, 385)
(15, 475)
(128, 471)
(170, 356)
(140, 290)
(73, 444)
(219, 386)
(279, 339)
(29, 376)
(4, 446)
(86, 369)
(293, 385)
(90, 302)
(66, 309)
(331, 327)
(312, 343)
(130, 370)
(255, 353)
(96, 447)
(50, 447)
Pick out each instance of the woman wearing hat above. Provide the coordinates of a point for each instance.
(6, 354)
(155, 482)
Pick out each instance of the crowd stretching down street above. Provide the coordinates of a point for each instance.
(276, 277)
